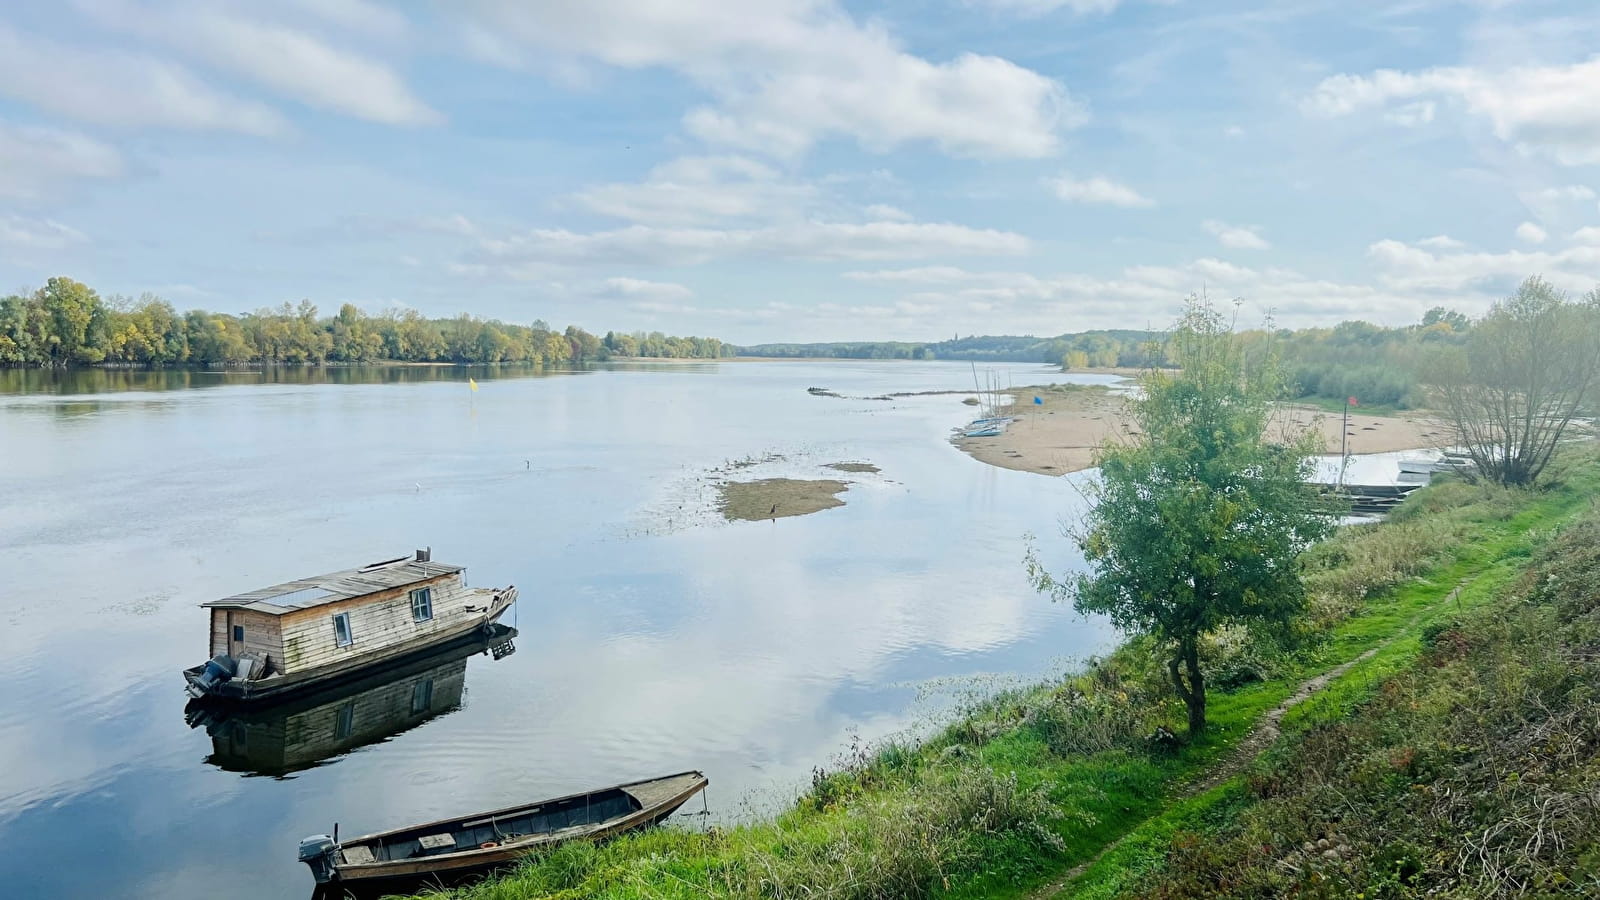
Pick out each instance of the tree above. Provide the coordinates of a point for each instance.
(584, 346)
(1452, 320)
(1197, 523)
(70, 307)
(1524, 374)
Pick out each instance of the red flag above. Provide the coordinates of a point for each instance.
(1353, 402)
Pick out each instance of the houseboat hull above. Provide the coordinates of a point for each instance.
(284, 686)
(330, 720)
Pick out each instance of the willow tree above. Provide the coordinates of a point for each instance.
(1529, 370)
(1198, 519)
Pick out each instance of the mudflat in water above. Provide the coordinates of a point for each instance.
(654, 635)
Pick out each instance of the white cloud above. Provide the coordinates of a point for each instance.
(33, 160)
(1554, 109)
(788, 73)
(1139, 296)
(1412, 114)
(1531, 233)
(1558, 204)
(1588, 234)
(282, 59)
(1236, 237)
(1410, 268)
(21, 233)
(359, 16)
(110, 87)
(1441, 242)
(920, 275)
(700, 190)
(978, 106)
(645, 245)
(640, 289)
(1098, 191)
(887, 213)
(454, 223)
(1570, 192)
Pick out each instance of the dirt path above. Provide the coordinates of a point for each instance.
(1262, 736)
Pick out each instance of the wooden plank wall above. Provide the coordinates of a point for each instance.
(219, 632)
(262, 634)
(376, 621)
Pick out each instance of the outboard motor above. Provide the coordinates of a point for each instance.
(316, 851)
(218, 669)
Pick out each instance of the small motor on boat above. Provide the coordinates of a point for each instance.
(218, 669)
(316, 852)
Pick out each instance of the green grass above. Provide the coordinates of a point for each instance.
(1488, 565)
(1468, 771)
(1029, 784)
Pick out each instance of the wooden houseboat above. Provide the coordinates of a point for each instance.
(313, 632)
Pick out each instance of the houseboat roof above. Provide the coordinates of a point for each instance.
(305, 593)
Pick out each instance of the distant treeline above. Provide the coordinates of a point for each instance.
(1099, 348)
(65, 323)
(1376, 365)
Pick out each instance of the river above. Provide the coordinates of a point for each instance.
(652, 636)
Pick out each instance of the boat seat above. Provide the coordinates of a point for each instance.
(437, 842)
(359, 855)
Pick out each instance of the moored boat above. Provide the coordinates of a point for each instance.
(299, 635)
(488, 840)
(984, 431)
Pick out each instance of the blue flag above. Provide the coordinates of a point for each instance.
(1038, 400)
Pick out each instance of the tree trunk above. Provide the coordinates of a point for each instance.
(1192, 691)
(1197, 687)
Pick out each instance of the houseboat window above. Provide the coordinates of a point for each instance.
(422, 604)
(422, 695)
(238, 634)
(341, 630)
(346, 721)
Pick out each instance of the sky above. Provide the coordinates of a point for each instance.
(779, 170)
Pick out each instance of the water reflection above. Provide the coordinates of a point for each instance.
(281, 739)
(102, 381)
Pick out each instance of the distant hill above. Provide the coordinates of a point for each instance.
(1099, 348)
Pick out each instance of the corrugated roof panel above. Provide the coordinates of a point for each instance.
(317, 590)
(304, 597)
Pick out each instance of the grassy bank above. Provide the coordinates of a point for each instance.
(1467, 765)
(1034, 782)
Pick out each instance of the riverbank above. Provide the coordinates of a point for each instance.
(1061, 432)
(1032, 783)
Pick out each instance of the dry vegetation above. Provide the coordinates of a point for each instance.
(777, 498)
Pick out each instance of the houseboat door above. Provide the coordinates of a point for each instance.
(235, 637)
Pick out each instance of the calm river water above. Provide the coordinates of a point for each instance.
(654, 637)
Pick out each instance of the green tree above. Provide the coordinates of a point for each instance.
(1198, 522)
(70, 307)
(584, 346)
(1452, 320)
(1526, 372)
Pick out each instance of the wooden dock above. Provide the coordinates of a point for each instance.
(1370, 499)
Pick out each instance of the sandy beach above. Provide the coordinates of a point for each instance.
(1061, 434)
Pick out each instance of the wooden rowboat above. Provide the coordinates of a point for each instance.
(499, 838)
